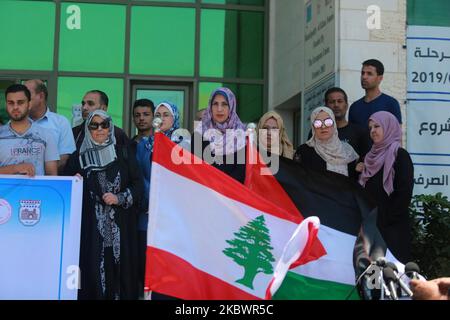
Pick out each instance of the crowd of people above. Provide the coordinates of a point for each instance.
(116, 170)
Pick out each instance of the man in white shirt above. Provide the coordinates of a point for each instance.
(57, 125)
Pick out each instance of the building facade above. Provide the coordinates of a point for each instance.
(173, 50)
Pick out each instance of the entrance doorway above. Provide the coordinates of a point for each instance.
(178, 93)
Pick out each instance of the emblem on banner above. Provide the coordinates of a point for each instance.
(5, 211)
(29, 212)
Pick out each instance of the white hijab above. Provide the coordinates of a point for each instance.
(336, 153)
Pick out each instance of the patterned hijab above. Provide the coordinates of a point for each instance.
(336, 153)
(93, 155)
(148, 141)
(221, 141)
(383, 153)
(173, 109)
(286, 147)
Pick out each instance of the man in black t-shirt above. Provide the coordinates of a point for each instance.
(355, 135)
(95, 100)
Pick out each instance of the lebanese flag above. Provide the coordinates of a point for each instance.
(348, 230)
(259, 179)
(210, 237)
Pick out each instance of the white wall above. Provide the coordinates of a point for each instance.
(285, 57)
(357, 43)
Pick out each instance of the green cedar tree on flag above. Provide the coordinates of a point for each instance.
(210, 237)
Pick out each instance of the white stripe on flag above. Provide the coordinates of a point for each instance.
(195, 224)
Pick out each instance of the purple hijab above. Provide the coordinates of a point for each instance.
(384, 152)
(233, 121)
(224, 144)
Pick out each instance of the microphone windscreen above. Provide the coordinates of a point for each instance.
(392, 266)
(381, 261)
(411, 267)
(388, 274)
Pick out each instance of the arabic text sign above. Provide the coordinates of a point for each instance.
(428, 60)
(320, 39)
(429, 107)
(428, 127)
(40, 221)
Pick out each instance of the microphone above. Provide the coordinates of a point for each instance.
(403, 285)
(389, 277)
(413, 269)
(362, 282)
(381, 262)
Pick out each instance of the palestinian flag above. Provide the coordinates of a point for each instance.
(210, 237)
(348, 227)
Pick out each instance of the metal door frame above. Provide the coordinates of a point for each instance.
(186, 87)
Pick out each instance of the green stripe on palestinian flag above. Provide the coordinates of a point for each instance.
(331, 277)
(346, 219)
(210, 237)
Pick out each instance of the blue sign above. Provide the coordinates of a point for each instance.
(40, 220)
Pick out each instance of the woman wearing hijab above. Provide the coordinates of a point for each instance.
(324, 151)
(111, 188)
(222, 135)
(388, 177)
(273, 121)
(168, 113)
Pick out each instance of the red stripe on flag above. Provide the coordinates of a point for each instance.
(191, 167)
(170, 275)
(268, 186)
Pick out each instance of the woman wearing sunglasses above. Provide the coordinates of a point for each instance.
(324, 151)
(111, 188)
(388, 177)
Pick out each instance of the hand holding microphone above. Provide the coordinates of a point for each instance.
(437, 289)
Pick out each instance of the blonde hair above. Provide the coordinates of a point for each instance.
(286, 147)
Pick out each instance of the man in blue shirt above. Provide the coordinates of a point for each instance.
(26, 148)
(56, 124)
(374, 100)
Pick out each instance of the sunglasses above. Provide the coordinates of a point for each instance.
(96, 125)
(328, 122)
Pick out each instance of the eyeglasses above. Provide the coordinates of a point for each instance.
(96, 125)
(328, 122)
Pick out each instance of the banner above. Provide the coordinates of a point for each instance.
(40, 220)
(429, 107)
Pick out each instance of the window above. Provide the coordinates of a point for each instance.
(232, 44)
(72, 89)
(242, 2)
(162, 41)
(28, 29)
(96, 41)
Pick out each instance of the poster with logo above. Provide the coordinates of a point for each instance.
(40, 220)
(429, 107)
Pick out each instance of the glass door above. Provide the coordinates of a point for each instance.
(176, 94)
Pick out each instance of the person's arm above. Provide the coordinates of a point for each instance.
(51, 168)
(135, 188)
(351, 116)
(365, 143)
(72, 165)
(66, 143)
(395, 106)
(51, 156)
(403, 187)
(21, 168)
(62, 162)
